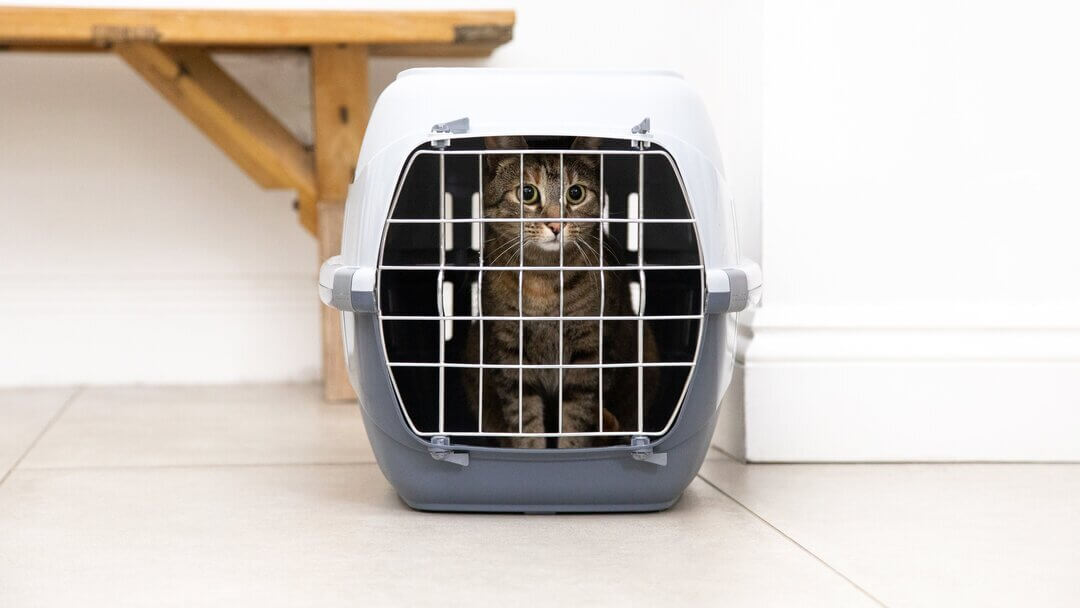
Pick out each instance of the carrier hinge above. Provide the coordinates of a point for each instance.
(642, 131)
(440, 450)
(460, 125)
(641, 449)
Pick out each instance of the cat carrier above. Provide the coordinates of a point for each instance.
(538, 281)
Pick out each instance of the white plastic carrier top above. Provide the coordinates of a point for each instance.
(605, 104)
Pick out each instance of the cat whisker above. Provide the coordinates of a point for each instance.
(492, 255)
(496, 261)
(584, 254)
(501, 244)
(585, 250)
(510, 249)
(592, 277)
(495, 251)
(594, 261)
(609, 249)
(596, 254)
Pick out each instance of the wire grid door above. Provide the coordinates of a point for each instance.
(433, 267)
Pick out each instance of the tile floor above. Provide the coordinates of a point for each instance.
(265, 496)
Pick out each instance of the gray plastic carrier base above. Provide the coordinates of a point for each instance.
(546, 480)
(553, 510)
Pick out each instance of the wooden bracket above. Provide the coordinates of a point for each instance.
(189, 79)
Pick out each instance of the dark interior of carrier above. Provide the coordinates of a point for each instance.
(446, 184)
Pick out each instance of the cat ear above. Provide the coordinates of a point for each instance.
(503, 142)
(586, 143)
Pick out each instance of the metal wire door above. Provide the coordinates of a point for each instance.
(433, 267)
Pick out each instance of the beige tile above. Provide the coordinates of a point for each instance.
(24, 414)
(153, 426)
(337, 535)
(928, 535)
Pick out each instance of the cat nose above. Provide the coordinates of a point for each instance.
(555, 227)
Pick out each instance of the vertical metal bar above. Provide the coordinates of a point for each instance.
(521, 279)
(447, 310)
(633, 239)
(600, 354)
(562, 231)
(480, 295)
(442, 266)
(641, 295)
(448, 227)
(447, 294)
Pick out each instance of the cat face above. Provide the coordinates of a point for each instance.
(543, 192)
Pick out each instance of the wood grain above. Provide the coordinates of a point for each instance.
(238, 27)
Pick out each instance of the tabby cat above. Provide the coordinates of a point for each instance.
(580, 196)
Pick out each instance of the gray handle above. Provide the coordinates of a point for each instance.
(733, 289)
(347, 288)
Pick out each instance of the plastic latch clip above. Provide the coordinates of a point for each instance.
(642, 131)
(458, 126)
(641, 449)
(440, 450)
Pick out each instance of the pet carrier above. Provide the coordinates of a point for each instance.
(537, 281)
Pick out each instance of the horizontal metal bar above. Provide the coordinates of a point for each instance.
(528, 318)
(435, 364)
(545, 220)
(578, 434)
(542, 152)
(544, 268)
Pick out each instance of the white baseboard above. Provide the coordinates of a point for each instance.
(167, 330)
(961, 384)
(730, 433)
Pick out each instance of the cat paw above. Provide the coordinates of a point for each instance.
(575, 442)
(533, 443)
(611, 423)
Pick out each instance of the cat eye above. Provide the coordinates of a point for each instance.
(530, 195)
(575, 194)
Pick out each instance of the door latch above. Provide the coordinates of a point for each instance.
(440, 450)
(641, 449)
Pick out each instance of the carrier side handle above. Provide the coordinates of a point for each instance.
(347, 288)
(733, 289)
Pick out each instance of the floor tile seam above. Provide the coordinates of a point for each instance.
(59, 413)
(213, 465)
(790, 539)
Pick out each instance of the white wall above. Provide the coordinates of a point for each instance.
(921, 206)
(131, 250)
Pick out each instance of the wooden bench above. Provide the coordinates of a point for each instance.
(171, 50)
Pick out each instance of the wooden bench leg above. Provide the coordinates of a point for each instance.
(336, 385)
(340, 110)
